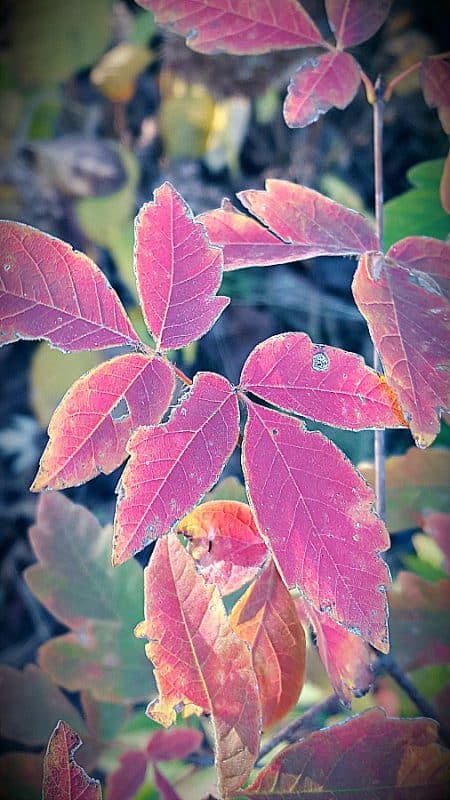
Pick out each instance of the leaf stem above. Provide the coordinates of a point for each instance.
(409, 71)
(379, 436)
(180, 374)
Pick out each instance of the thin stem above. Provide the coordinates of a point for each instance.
(409, 71)
(180, 374)
(379, 437)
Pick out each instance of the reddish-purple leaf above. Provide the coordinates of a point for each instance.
(369, 756)
(316, 513)
(174, 744)
(64, 779)
(299, 215)
(225, 543)
(91, 426)
(444, 188)
(320, 83)
(437, 525)
(128, 777)
(320, 382)
(245, 242)
(347, 658)
(403, 298)
(50, 291)
(355, 21)
(165, 789)
(224, 26)
(178, 271)
(200, 663)
(266, 618)
(435, 79)
(173, 465)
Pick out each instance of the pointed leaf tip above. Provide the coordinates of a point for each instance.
(63, 777)
(178, 271)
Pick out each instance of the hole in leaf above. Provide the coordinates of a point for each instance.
(120, 411)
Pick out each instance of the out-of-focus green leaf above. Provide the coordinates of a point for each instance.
(229, 126)
(144, 28)
(185, 116)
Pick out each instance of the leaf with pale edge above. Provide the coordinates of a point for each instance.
(265, 617)
(76, 582)
(224, 26)
(403, 297)
(320, 83)
(316, 514)
(63, 777)
(50, 291)
(369, 756)
(173, 465)
(200, 663)
(323, 383)
(355, 21)
(90, 428)
(178, 271)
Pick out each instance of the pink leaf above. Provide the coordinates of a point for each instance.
(403, 298)
(224, 26)
(435, 79)
(444, 189)
(165, 789)
(225, 543)
(173, 465)
(128, 777)
(316, 513)
(320, 382)
(63, 777)
(355, 21)
(89, 429)
(320, 83)
(347, 658)
(178, 271)
(50, 291)
(299, 215)
(245, 242)
(174, 744)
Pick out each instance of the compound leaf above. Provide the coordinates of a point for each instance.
(347, 658)
(223, 26)
(63, 777)
(320, 382)
(178, 271)
(355, 21)
(403, 297)
(50, 291)
(265, 617)
(225, 543)
(100, 653)
(128, 777)
(200, 663)
(368, 756)
(320, 83)
(316, 514)
(173, 465)
(90, 428)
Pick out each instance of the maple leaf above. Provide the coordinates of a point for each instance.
(92, 424)
(63, 777)
(200, 663)
(173, 465)
(50, 291)
(316, 514)
(404, 299)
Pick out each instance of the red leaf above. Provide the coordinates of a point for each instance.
(173, 465)
(173, 745)
(89, 430)
(265, 617)
(435, 79)
(320, 382)
(355, 21)
(200, 664)
(165, 789)
(316, 513)
(178, 271)
(63, 777)
(245, 242)
(225, 543)
(321, 82)
(50, 291)
(419, 614)
(367, 756)
(347, 658)
(438, 526)
(299, 215)
(128, 777)
(402, 297)
(223, 26)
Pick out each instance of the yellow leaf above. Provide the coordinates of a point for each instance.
(117, 72)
